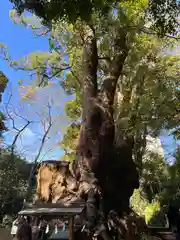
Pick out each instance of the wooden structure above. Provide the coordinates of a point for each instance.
(50, 211)
(40, 184)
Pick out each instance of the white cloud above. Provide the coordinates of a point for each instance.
(27, 140)
(27, 133)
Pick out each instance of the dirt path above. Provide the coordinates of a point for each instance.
(5, 234)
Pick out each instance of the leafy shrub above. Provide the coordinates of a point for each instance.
(7, 221)
(151, 210)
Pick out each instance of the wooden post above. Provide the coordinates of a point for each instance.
(71, 228)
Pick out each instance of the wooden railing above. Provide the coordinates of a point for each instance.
(161, 232)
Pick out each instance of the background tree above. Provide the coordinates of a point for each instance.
(15, 170)
(3, 84)
(13, 179)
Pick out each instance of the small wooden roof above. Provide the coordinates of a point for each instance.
(63, 162)
(53, 209)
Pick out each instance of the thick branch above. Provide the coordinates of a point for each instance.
(57, 71)
(115, 68)
(90, 63)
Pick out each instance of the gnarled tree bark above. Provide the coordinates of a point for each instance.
(107, 175)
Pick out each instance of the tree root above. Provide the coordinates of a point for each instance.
(56, 184)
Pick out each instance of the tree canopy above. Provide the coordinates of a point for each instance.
(164, 14)
(109, 59)
(152, 85)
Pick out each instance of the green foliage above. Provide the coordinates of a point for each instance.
(151, 210)
(163, 13)
(14, 172)
(70, 10)
(69, 142)
(2, 124)
(154, 175)
(73, 109)
(43, 65)
(148, 84)
(160, 217)
(3, 81)
(138, 203)
(152, 180)
(3, 85)
(7, 221)
(171, 189)
(149, 80)
(152, 87)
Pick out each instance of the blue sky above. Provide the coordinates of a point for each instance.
(21, 41)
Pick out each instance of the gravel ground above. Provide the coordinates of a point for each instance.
(5, 234)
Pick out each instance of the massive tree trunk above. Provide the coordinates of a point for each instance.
(106, 173)
(103, 174)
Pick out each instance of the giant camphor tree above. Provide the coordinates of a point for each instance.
(97, 37)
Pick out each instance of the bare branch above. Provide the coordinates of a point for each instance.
(58, 71)
(17, 136)
(8, 114)
(50, 123)
(42, 33)
(35, 162)
(151, 32)
(18, 130)
(48, 151)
